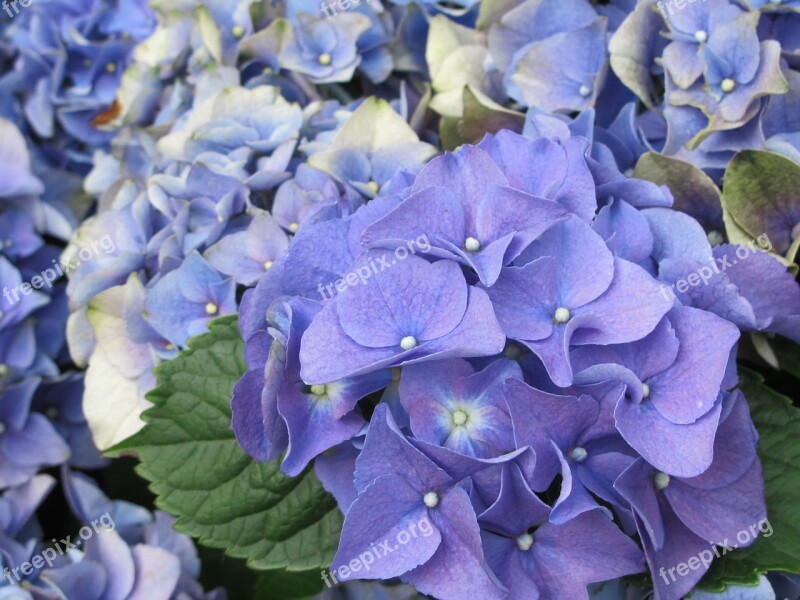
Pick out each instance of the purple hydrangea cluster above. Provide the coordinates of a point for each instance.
(521, 379)
(497, 342)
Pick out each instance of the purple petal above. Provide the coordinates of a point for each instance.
(414, 298)
(459, 557)
(386, 451)
(681, 450)
(586, 549)
(689, 388)
(720, 514)
(157, 573)
(383, 510)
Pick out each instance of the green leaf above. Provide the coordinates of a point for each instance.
(788, 353)
(481, 115)
(778, 425)
(694, 191)
(200, 474)
(761, 194)
(289, 585)
(448, 133)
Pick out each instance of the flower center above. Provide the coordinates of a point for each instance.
(661, 480)
(460, 417)
(578, 454)
(237, 31)
(512, 351)
(562, 315)
(431, 499)
(727, 85)
(645, 391)
(373, 187)
(294, 227)
(715, 238)
(211, 309)
(472, 245)
(701, 36)
(524, 542)
(111, 68)
(325, 59)
(408, 342)
(585, 91)
(268, 265)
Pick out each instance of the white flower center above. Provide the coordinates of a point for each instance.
(715, 238)
(524, 542)
(408, 342)
(294, 227)
(237, 31)
(645, 390)
(562, 315)
(578, 454)
(727, 85)
(585, 91)
(472, 245)
(319, 390)
(268, 265)
(431, 499)
(211, 309)
(661, 480)
(373, 187)
(701, 36)
(325, 59)
(460, 417)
